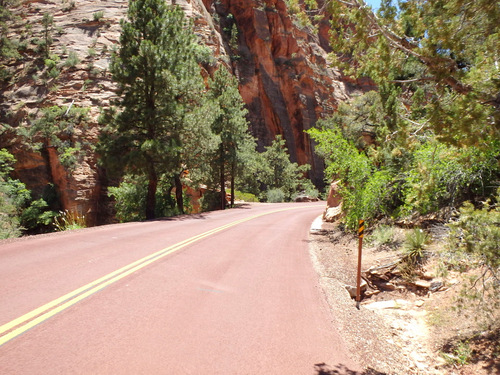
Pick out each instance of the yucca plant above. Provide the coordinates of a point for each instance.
(413, 252)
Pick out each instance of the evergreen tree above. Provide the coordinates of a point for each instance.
(231, 126)
(158, 84)
(278, 172)
(439, 61)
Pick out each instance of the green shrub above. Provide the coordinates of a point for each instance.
(442, 175)
(477, 234)
(98, 15)
(247, 197)
(275, 196)
(72, 60)
(37, 216)
(382, 235)
(130, 199)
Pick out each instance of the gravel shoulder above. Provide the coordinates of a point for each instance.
(390, 333)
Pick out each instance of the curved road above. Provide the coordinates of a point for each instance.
(227, 292)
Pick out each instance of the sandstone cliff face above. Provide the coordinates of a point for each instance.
(283, 72)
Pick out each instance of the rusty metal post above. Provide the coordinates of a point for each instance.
(361, 232)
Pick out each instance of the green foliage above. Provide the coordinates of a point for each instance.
(362, 187)
(275, 196)
(37, 215)
(47, 23)
(59, 127)
(130, 199)
(460, 355)
(69, 220)
(9, 220)
(276, 171)
(413, 252)
(231, 128)
(246, 197)
(18, 211)
(381, 235)
(98, 15)
(159, 87)
(8, 48)
(415, 243)
(72, 60)
(442, 57)
(443, 175)
(387, 168)
(477, 233)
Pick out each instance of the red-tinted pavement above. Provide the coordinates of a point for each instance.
(243, 300)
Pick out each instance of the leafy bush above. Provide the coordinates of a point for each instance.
(247, 197)
(57, 127)
(18, 212)
(9, 221)
(37, 216)
(275, 196)
(442, 175)
(477, 233)
(130, 199)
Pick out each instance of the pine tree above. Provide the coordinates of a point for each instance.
(159, 83)
(231, 126)
(438, 59)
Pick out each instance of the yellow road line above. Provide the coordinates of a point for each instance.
(39, 315)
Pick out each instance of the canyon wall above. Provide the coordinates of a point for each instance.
(284, 77)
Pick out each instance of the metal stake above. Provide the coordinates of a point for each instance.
(361, 232)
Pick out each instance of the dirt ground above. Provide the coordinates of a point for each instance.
(406, 330)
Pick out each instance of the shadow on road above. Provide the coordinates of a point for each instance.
(324, 369)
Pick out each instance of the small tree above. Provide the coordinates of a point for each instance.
(278, 172)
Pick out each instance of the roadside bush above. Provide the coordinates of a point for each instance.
(18, 211)
(381, 235)
(275, 196)
(477, 233)
(247, 197)
(130, 199)
(443, 175)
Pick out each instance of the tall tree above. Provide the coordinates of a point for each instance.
(158, 84)
(230, 125)
(438, 59)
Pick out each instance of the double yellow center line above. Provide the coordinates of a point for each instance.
(9, 331)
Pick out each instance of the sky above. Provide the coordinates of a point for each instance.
(374, 3)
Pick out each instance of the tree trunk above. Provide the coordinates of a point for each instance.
(233, 168)
(178, 193)
(222, 181)
(151, 197)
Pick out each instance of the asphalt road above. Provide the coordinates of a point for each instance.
(230, 292)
